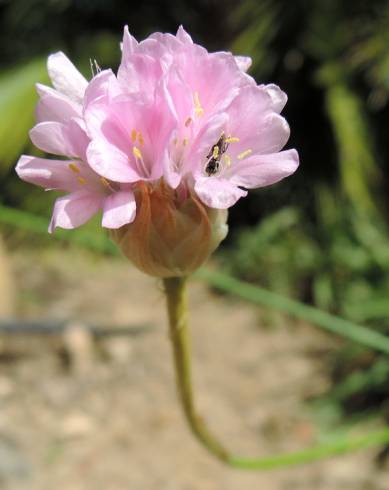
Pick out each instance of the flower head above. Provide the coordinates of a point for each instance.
(163, 148)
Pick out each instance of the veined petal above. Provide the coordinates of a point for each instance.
(65, 76)
(110, 162)
(103, 85)
(218, 193)
(254, 122)
(54, 106)
(263, 170)
(119, 209)
(60, 139)
(75, 133)
(140, 72)
(129, 44)
(75, 209)
(50, 136)
(49, 174)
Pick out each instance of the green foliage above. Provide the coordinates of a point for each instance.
(87, 237)
(357, 166)
(332, 58)
(17, 103)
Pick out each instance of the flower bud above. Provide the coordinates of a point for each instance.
(173, 233)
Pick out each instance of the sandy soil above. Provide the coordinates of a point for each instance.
(81, 414)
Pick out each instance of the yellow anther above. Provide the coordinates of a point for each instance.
(81, 180)
(133, 135)
(231, 139)
(185, 141)
(140, 139)
(244, 154)
(198, 109)
(188, 122)
(73, 167)
(175, 141)
(215, 152)
(137, 153)
(226, 159)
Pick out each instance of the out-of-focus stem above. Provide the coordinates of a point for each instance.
(178, 320)
(175, 289)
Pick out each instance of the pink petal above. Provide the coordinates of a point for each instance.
(111, 126)
(74, 210)
(171, 173)
(60, 139)
(104, 84)
(198, 68)
(278, 97)
(51, 137)
(183, 36)
(119, 209)
(161, 122)
(54, 106)
(76, 134)
(263, 170)
(218, 193)
(129, 44)
(50, 174)
(65, 76)
(243, 62)
(140, 72)
(110, 162)
(253, 120)
(166, 41)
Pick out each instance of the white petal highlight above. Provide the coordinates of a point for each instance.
(119, 209)
(65, 76)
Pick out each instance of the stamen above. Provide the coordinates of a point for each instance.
(198, 109)
(175, 141)
(139, 159)
(226, 159)
(81, 180)
(133, 135)
(215, 152)
(188, 122)
(244, 154)
(140, 139)
(98, 69)
(73, 167)
(231, 139)
(137, 153)
(185, 141)
(91, 67)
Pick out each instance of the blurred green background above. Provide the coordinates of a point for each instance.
(321, 236)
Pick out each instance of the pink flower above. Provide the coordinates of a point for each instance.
(61, 131)
(209, 128)
(163, 148)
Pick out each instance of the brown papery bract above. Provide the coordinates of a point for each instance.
(171, 236)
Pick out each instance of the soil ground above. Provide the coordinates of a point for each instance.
(80, 414)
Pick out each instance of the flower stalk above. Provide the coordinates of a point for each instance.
(175, 289)
(176, 295)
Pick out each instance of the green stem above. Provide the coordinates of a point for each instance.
(175, 289)
(334, 324)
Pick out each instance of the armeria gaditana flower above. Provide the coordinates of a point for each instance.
(163, 148)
